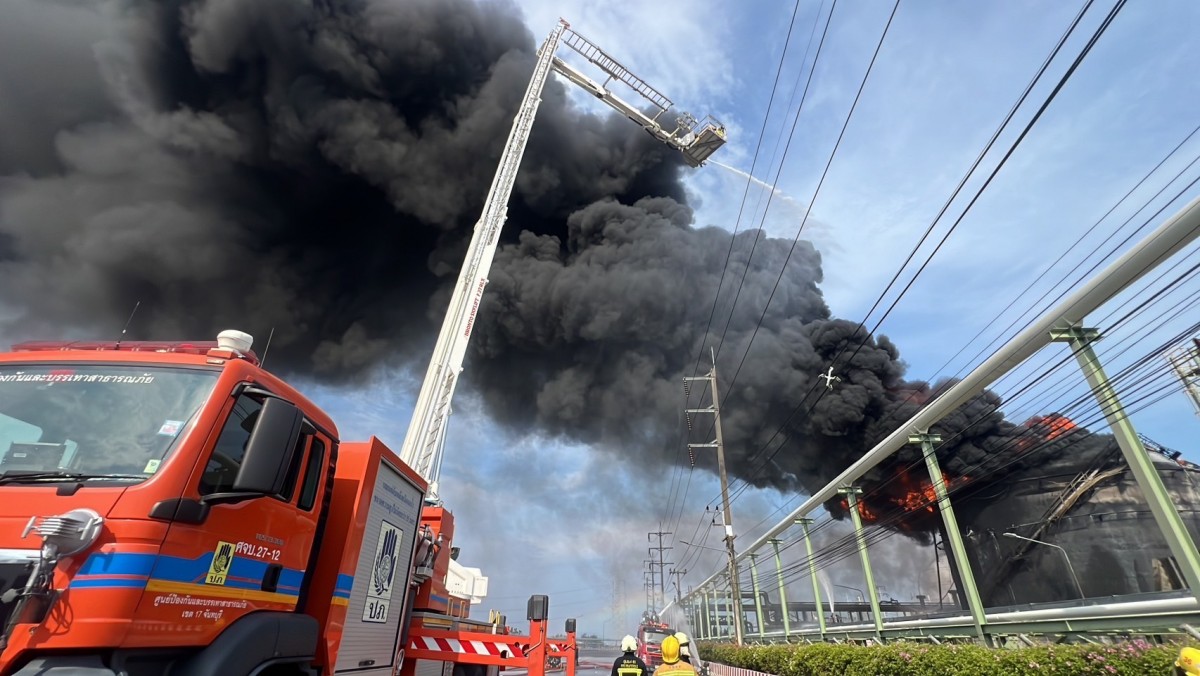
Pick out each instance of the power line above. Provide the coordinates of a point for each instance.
(1115, 9)
(737, 223)
(881, 532)
(979, 158)
(1125, 373)
(1145, 223)
(978, 193)
(787, 147)
(1118, 379)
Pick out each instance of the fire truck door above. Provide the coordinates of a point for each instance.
(243, 556)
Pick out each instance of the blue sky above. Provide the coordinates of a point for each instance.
(945, 77)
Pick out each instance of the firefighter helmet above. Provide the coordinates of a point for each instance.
(1188, 662)
(684, 651)
(628, 644)
(670, 650)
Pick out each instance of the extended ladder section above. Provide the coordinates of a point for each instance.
(425, 439)
(423, 444)
(606, 63)
(696, 140)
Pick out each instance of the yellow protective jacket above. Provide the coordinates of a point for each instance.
(680, 668)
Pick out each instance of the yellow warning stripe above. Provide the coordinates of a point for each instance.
(339, 601)
(162, 586)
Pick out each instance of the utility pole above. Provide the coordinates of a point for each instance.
(719, 444)
(651, 582)
(616, 605)
(678, 583)
(662, 582)
(1185, 361)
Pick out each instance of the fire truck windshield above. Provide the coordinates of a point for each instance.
(654, 636)
(95, 420)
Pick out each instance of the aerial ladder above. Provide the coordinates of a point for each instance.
(424, 443)
(426, 437)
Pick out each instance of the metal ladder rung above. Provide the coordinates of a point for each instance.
(593, 53)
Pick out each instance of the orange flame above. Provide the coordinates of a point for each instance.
(863, 510)
(1044, 428)
(1058, 425)
(920, 496)
(924, 497)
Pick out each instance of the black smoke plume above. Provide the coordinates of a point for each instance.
(316, 168)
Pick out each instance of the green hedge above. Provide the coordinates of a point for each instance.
(917, 659)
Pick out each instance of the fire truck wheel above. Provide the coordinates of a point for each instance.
(256, 644)
(286, 670)
(470, 670)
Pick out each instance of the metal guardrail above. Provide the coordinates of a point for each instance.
(1169, 616)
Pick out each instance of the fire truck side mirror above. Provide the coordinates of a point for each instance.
(570, 625)
(539, 607)
(269, 449)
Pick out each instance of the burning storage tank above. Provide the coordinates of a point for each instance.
(1051, 481)
(1099, 517)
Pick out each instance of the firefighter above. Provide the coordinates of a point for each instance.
(685, 653)
(672, 665)
(629, 664)
(1188, 663)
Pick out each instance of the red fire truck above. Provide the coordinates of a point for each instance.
(171, 507)
(651, 633)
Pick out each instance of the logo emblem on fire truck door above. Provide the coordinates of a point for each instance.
(383, 574)
(222, 561)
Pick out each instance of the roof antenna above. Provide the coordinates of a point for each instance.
(127, 323)
(263, 359)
